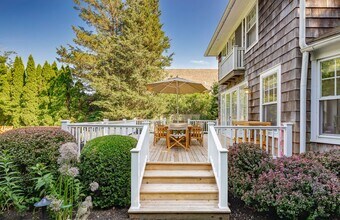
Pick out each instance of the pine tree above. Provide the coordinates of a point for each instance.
(18, 73)
(30, 100)
(121, 55)
(47, 73)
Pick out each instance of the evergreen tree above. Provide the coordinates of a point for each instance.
(18, 73)
(47, 73)
(123, 54)
(5, 92)
(30, 99)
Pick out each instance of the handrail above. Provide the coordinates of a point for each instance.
(84, 132)
(218, 156)
(139, 158)
(276, 140)
(204, 122)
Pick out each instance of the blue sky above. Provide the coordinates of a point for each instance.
(38, 27)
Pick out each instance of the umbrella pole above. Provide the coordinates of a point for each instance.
(177, 100)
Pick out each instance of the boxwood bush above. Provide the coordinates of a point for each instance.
(107, 161)
(33, 145)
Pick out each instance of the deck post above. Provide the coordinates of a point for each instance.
(106, 130)
(210, 140)
(188, 121)
(135, 200)
(223, 197)
(288, 140)
(146, 124)
(64, 125)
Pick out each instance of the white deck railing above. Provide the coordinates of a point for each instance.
(204, 123)
(152, 123)
(233, 61)
(276, 140)
(139, 157)
(218, 157)
(84, 132)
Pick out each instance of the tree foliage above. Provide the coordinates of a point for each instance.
(123, 53)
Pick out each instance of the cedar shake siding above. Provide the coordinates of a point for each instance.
(278, 45)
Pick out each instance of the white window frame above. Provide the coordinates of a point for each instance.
(316, 97)
(274, 70)
(237, 88)
(247, 48)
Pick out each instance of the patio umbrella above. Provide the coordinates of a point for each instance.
(176, 86)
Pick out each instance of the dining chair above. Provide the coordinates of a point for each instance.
(160, 132)
(197, 133)
(178, 135)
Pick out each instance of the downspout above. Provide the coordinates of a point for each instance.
(304, 75)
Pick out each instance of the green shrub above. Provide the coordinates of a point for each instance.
(107, 161)
(30, 146)
(246, 162)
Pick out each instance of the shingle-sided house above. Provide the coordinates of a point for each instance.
(279, 61)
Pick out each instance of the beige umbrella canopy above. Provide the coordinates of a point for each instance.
(176, 86)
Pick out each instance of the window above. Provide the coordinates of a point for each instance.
(251, 27)
(329, 101)
(270, 104)
(236, 104)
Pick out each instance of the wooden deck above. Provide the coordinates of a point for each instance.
(196, 154)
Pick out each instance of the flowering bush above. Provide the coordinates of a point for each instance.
(246, 162)
(30, 146)
(107, 160)
(330, 160)
(296, 187)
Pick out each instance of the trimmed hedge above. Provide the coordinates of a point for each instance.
(33, 145)
(298, 187)
(107, 161)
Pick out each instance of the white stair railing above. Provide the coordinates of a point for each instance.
(139, 157)
(218, 157)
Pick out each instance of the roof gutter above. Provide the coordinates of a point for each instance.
(219, 26)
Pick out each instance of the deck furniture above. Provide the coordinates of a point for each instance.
(159, 132)
(251, 138)
(197, 133)
(178, 135)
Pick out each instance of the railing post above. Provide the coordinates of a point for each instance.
(288, 139)
(189, 121)
(146, 125)
(223, 192)
(216, 121)
(64, 125)
(124, 121)
(135, 163)
(210, 139)
(106, 129)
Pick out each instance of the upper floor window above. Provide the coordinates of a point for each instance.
(251, 27)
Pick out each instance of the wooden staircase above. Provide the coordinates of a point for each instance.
(179, 191)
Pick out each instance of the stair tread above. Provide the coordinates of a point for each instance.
(179, 188)
(208, 203)
(178, 173)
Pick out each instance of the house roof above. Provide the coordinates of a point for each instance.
(205, 76)
(231, 18)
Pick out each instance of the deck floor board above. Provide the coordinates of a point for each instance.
(196, 153)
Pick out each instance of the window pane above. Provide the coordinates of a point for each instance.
(234, 106)
(330, 113)
(327, 69)
(270, 114)
(251, 36)
(337, 66)
(251, 17)
(244, 105)
(338, 86)
(227, 106)
(328, 87)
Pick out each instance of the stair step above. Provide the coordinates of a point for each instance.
(179, 173)
(179, 188)
(177, 166)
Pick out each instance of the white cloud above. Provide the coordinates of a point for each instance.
(199, 62)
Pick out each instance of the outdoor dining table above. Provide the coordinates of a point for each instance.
(178, 127)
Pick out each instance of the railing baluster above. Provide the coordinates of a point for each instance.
(273, 145)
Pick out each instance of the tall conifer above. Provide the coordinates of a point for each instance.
(18, 73)
(30, 100)
(5, 92)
